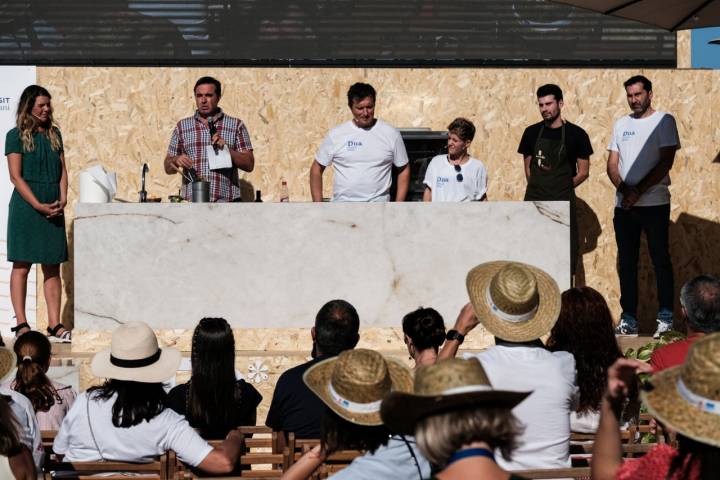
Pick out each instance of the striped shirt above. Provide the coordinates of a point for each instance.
(191, 136)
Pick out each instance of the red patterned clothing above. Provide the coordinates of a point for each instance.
(191, 136)
(655, 465)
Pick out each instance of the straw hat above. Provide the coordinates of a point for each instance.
(134, 355)
(514, 301)
(447, 385)
(687, 397)
(8, 361)
(354, 383)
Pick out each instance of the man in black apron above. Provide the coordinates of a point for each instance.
(556, 155)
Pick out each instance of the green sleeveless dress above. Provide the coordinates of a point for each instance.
(31, 237)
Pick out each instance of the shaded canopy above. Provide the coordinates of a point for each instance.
(668, 14)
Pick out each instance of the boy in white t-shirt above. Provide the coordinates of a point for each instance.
(456, 177)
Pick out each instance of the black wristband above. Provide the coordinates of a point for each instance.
(455, 335)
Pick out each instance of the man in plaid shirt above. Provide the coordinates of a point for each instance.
(192, 135)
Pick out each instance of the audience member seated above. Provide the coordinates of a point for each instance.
(518, 304)
(125, 419)
(700, 302)
(458, 418)
(50, 400)
(25, 421)
(685, 400)
(585, 328)
(352, 387)
(213, 401)
(294, 408)
(15, 459)
(424, 331)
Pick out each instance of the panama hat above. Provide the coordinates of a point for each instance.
(514, 301)
(687, 397)
(8, 361)
(447, 385)
(354, 383)
(134, 355)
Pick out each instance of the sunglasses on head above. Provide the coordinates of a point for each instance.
(459, 175)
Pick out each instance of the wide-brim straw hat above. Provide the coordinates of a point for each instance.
(514, 301)
(134, 355)
(8, 362)
(354, 383)
(687, 397)
(448, 385)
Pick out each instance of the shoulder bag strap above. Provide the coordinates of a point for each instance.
(92, 434)
(414, 457)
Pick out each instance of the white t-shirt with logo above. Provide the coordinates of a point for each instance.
(441, 177)
(362, 160)
(638, 141)
(140, 443)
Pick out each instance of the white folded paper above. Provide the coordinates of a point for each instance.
(97, 185)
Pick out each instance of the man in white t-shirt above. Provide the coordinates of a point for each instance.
(642, 150)
(518, 304)
(456, 177)
(362, 152)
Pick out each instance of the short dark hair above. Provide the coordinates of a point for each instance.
(463, 128)
(336, 327)
(359, 91)
(647, 84)
(425, 327)
(550, 89)
(701, 299)
(209, 81)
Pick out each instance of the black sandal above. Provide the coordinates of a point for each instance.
(64, 337)
(16, 329)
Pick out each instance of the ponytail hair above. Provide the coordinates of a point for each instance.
(425, 327)
(33, 354)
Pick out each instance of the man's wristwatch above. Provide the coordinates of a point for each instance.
(455, 335)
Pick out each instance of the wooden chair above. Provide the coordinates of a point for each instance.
(583, 472)
(334, 463)
(256, 455)
(156, 470)
(48, 437)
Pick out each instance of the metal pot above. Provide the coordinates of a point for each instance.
(200, 192)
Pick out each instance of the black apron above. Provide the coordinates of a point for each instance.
(551, 179)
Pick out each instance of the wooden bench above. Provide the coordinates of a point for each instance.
(156, 470)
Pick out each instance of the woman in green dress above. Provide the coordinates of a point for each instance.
(36, 225)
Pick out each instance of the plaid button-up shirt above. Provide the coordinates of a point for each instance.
(191, 136)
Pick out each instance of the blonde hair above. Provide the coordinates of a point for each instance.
(27, 124)
(439, 436)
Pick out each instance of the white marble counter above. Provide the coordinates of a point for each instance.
(274, 265)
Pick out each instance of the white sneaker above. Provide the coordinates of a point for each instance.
(662, 327)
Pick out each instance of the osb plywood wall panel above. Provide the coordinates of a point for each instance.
(122, 117)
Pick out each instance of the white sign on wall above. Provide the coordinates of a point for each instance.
(14, 81)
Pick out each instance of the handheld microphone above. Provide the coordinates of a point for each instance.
(213, 131)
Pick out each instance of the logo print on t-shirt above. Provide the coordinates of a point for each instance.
(627, 134)
(352, 145)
